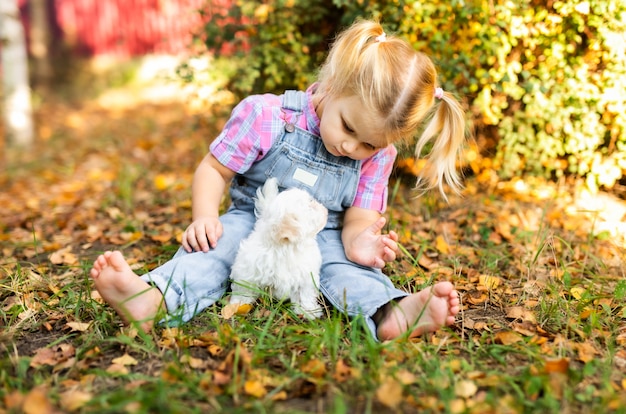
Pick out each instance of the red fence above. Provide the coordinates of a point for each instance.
(123, 27)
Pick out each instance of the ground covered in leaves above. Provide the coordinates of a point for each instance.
(540, 267)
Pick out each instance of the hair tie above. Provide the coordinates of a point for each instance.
(438, 93)
(381, 38)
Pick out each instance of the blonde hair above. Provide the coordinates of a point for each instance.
(399, 83)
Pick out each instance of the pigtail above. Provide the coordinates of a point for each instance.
(399, 84)
(446, 131)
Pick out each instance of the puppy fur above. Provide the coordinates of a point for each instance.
(281, 254)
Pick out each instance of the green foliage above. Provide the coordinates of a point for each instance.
(273, 45)
(543, 79)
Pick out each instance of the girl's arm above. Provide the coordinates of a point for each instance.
(363, 241)
(209, 183)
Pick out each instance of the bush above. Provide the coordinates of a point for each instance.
(544, 80)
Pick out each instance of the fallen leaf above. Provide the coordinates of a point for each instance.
(344, 372)
(53, 355)
(465, 388)
(78, 326)
(125, 360)
(577, 292)
(441, 245)
(117, 369)
(490, 282)
(315, 368)
(73, 400)
(389, 393)
(37, 402)
(195, 363)
(64, 257)
(232, 309)
(255, 389)
(507, 337)
(586, 351)
(556, 365)
(519, 312)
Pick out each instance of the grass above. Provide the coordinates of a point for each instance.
(542, 330)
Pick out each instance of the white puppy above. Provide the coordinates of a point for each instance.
(281, 254)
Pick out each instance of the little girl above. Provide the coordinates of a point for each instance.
(335, 140)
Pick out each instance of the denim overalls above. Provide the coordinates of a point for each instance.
(191, 282)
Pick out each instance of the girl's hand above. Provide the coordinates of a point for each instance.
(202, 234)
(371, 248)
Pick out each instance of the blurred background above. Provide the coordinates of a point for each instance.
(542, 81)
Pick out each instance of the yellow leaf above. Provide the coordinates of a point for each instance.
(195, 363)
(37, 402)
(163, 181)
(64, 256)
(390, 393)
(508, 337)
(78, 326)
(233, 309)
(125, 360)
(280, 396)
(465, 388)
(519, 312)
(74, 399)
(577, 292)
(559, 365)
(315, 368)
(255, 389)
(490, 282)
(441, 245)
(117, 369)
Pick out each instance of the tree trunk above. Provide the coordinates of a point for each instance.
(40, 42)
(17, 109)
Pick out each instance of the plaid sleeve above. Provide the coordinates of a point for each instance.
(374, 180)
(239, 144)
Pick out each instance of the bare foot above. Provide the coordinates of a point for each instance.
(131, 297)
(421, 312)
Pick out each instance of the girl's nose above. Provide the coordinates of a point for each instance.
(348, 146)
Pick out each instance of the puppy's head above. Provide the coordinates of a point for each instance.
(294, 215)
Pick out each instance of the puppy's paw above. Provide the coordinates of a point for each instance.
(308, 312)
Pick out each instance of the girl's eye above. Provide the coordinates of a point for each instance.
(347, 127)
(369, 146)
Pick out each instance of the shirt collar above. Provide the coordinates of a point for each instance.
(313, 121)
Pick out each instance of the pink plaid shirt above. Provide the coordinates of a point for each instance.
(258, 120)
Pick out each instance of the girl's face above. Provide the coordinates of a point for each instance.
(348, 129)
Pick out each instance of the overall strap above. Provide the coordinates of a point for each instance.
(294, 100)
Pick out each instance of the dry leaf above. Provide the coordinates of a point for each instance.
(315, 368)
(52, 356)
(389, 393)
(117, 369)
(125, 360)
(577, 292)
(465, 388)
(343, 372)
(490, 282)
(519, 312)
(195, 363)
(507, 337)
(441, 245)
(255, 389)
(37, 402)
(232, 309)
(78, 326)
(558, 365)
(73, 400)
(64, 257)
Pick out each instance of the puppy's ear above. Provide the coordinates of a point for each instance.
(288, 230)
(265, 195)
